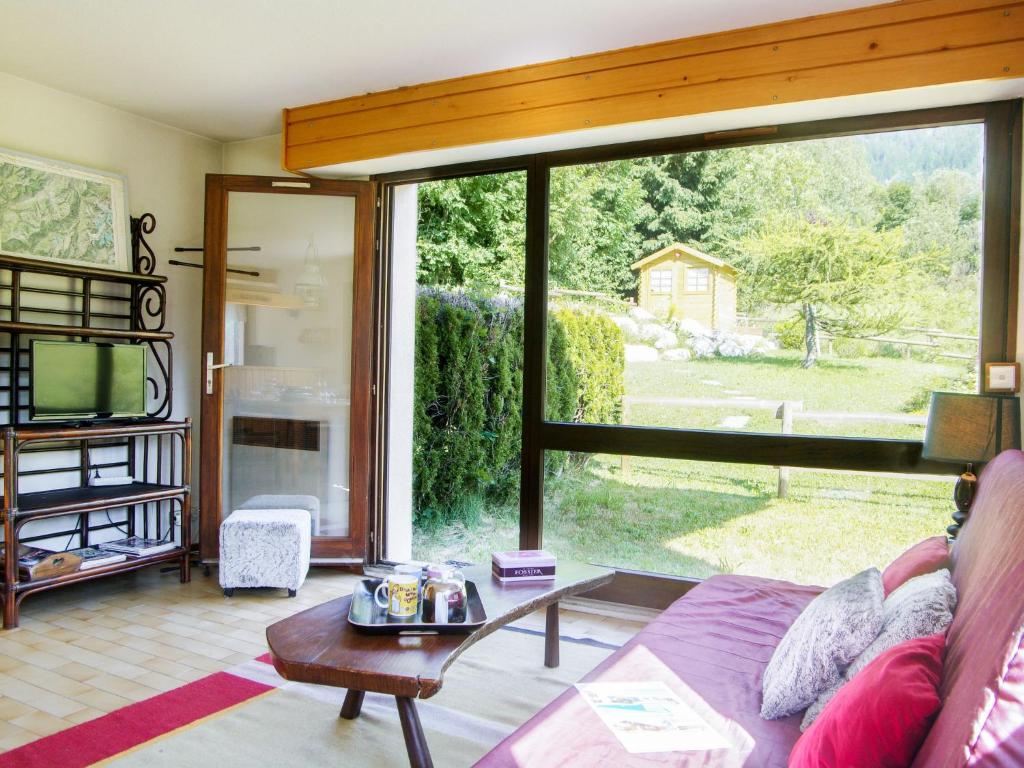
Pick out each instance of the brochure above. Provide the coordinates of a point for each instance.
(650, 717)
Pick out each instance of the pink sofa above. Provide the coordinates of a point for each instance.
(712, 646)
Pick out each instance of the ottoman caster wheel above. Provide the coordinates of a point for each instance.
(291, 593)
(229, 592)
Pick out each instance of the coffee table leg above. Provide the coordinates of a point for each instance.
(353, 704)
(551, 637)
(415, 742)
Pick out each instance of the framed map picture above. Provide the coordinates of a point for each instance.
(60, 212)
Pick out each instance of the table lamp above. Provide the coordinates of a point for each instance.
(967, 430)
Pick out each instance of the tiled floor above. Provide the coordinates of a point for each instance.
(88, 649)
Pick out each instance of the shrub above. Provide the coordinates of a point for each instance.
(790, 333)
(469, 391)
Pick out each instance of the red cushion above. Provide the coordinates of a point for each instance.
(881, 717)
(924, 557)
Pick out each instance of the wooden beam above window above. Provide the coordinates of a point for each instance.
(878, 48)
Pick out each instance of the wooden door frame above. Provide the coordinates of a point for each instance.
(218, 186)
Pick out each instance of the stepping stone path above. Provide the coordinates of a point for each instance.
(734, 422)
(711, 382)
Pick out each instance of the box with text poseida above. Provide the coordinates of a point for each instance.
(523, 565)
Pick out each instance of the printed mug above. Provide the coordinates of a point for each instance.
(399, 593)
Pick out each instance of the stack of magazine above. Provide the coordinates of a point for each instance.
(136, 546)
(93, 557)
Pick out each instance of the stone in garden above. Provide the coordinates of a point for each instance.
(676, 354)
(730, 348)
(641, 315)
(640, 353)
(691, 327)
(734, 422)
(666, 340)
(702, 346)
(629, 327)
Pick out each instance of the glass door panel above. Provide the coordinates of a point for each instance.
(287, 342)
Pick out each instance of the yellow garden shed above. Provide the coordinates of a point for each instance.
(683, 283)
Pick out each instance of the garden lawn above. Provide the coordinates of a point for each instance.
(698, 518)
(877, 385)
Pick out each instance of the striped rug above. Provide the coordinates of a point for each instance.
(249, 716)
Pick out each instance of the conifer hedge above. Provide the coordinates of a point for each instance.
(468, 399)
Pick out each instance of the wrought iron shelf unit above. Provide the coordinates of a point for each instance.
(40, 300)
(156, 505)
(66, 501)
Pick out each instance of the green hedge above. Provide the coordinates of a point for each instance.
(469, 390)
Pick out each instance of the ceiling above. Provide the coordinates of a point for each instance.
(225, 68)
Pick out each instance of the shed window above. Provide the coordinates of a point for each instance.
(661, 280)
(697, 278)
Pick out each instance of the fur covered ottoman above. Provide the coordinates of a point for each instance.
(287, 501)
(264, 548)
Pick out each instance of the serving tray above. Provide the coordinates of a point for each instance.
(367, 616)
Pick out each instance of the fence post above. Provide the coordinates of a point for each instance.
(626, 462)
(785, 413)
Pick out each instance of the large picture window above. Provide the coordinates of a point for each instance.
(831, 276)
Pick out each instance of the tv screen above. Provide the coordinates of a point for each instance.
(75, 380)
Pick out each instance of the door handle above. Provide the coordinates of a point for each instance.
(210, 368)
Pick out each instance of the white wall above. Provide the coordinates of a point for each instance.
(260, 156)
(165, 168)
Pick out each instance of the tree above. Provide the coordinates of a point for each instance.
(472, 231)
(686, 196)
(897, 205)
(593, 237)
(835, 277)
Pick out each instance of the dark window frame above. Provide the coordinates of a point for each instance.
(997, 328)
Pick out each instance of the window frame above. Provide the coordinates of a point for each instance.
(997, 326)
(706, 271)
(663, 274)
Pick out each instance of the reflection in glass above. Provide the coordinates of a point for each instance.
(288, 318)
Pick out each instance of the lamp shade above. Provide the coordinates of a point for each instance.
(970, 429)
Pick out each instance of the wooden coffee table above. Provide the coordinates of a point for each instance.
(320, 646)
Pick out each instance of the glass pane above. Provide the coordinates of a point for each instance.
(456, 358)
(697, 519)
(818, 287)
(287, 338)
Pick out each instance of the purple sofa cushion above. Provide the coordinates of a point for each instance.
(711, 648)
(982, 718)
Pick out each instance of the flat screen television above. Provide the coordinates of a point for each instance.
(82, 380)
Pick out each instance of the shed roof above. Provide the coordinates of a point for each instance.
(668, 249)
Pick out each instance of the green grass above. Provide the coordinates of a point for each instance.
(699, 518)
(864, 385)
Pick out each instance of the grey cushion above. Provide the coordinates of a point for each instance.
(922, 606)
(830, 633)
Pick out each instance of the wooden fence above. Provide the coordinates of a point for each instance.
(786, 411)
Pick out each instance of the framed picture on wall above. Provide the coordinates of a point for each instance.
(55, 211)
